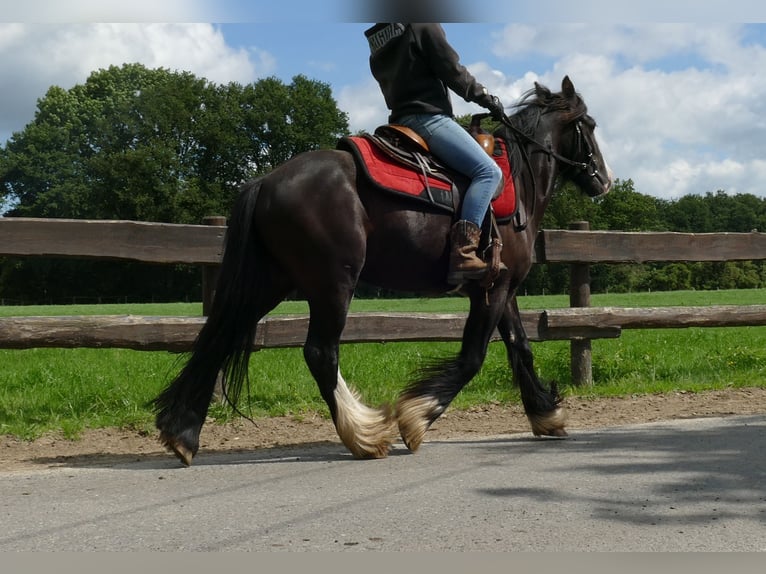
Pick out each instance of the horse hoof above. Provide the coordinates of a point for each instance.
(553, 433)
(414, 416)
(550, 424)
(182, 452)
(370, 441)
(412, 434)
(380, 451)
(413, 444)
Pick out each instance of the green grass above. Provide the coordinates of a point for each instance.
(73, 389)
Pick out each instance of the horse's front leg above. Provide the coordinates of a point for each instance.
(424, 400)
(367, 432)
(541, 405)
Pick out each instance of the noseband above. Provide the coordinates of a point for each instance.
(581, 142)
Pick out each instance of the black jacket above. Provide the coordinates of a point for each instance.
(416, 67)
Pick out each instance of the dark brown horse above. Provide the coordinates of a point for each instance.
(313, 225)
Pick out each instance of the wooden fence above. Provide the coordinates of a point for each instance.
(202, 245)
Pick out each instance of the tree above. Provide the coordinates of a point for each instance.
(567, 205)
(667, 277)
(156, 145)
(689, 214)
(285, 120)
(624, 209)
(152, 145)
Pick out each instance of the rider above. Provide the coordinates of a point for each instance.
(416, 67)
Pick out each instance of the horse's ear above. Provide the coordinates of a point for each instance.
(567, 87)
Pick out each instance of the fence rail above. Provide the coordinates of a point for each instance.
(203, 245)
(178, 333)
(579, 246)
(165, 243)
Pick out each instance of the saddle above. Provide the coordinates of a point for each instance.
(395, 159)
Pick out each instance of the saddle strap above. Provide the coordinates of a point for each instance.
(417, 159)
(495, 248)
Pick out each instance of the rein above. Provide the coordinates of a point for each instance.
(583, 166)
(550, 152)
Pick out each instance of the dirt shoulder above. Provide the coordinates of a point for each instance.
(106, 447)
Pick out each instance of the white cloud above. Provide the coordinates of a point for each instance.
(605, 13)
(364, 105)
(109, 11)
(34, 57)
(681, 177)
(194, 47)
(637, 43)
(681, 107)
(10, 34)
(366, 108)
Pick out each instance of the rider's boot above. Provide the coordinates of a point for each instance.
(464, 263)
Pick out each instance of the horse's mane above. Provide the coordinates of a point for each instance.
(531, 106)
(540, 100)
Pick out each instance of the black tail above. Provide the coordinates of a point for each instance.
(225, 342)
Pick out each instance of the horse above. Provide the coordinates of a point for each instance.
(312, 225)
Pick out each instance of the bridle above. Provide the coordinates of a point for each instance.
(581, 142)
(591, 163)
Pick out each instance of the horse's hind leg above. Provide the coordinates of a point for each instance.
(182, 407)
(365, 431)
(422, 402)
(541, 405)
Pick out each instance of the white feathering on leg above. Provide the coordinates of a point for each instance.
(549, 424)
(366, 432)
(414, 416)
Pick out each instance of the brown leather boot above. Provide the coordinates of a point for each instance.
(464, 264)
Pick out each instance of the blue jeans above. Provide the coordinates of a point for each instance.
(456, 148)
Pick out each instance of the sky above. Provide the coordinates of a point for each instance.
(678, 87)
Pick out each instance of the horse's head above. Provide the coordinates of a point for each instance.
(558, 125)
(586, 166)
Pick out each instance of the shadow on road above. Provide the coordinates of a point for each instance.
(687, 466)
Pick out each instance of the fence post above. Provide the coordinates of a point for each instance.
(210, 272)
(579, 296)
(209, 279)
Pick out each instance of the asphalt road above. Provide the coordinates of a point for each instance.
(688, 485)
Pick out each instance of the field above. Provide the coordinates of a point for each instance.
(72, 390)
